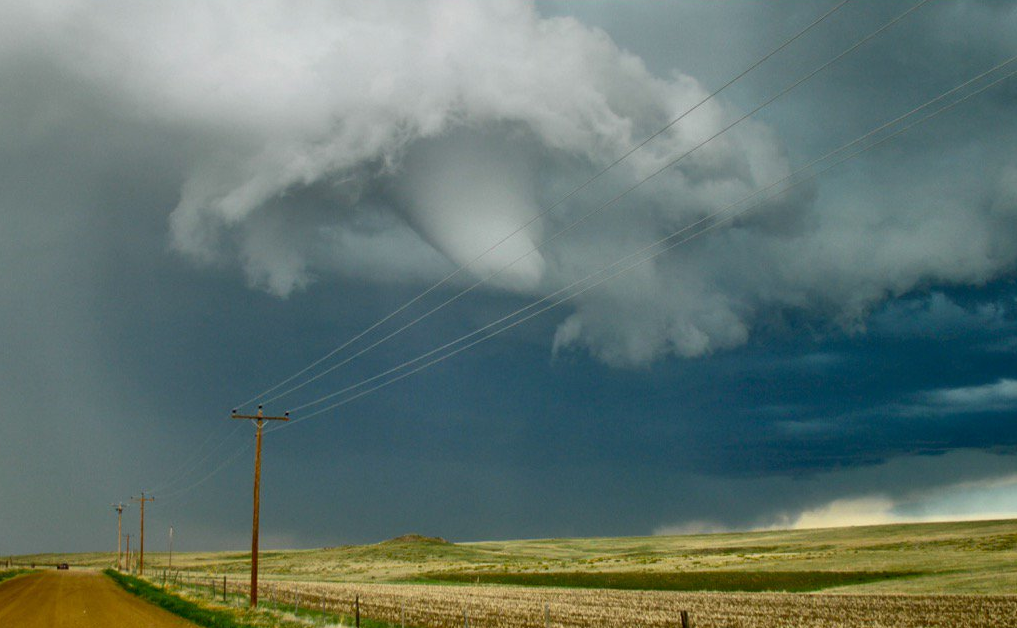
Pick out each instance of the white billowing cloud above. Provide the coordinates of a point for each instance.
(444, 109)
(395, 140)
(691, 528)
(999, 395)
(962, 485)
(858, 511)
(992, 498)
(621, 327)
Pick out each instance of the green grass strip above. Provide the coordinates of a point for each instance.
(209, 618)
(213, 618)
(7, 575)
(728, 581)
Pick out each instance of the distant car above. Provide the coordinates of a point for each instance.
(63, 566)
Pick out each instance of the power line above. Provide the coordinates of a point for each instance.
(222, 465)
(609, 203)
(664, 240)
(187, 469)
(180, 497)
(519, 229)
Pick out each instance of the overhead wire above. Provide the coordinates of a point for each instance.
(570, 194)
(222, 465)
(583, 218)
(686, 228)
(664, 240)
(194, 461)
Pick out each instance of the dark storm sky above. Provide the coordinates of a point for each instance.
(198, 202)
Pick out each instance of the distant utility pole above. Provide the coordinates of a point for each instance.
(171, 549)
(128, 552)
(141, 560)
(260, 418)
(120, 511)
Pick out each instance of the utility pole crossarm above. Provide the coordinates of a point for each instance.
(259, 417)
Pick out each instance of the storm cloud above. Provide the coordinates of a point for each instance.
(427, 133)
(200, 198)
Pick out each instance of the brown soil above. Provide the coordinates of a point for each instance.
(77, 599)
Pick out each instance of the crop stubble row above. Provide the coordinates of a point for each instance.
(435, 606)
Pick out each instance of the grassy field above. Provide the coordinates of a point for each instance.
(963, 557)
(790, 581)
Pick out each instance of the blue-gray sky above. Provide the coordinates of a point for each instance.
(198, 200)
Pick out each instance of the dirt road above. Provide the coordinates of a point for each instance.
(77, 599)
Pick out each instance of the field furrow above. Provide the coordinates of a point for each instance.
(436, 606)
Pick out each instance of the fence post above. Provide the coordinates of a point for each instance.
(213, 588)
(685, 619)
(224, 589)
(402, 615)
(356, 608)
(547, 616)
(466, 619)
(296, 605)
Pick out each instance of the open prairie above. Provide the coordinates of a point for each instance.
(933, 558)
(936, 574)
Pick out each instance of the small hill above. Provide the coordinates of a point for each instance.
(416, 539)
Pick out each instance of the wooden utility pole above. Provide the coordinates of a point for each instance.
(141, 559)
(128, 552)
(260, 418)
(171, 549)
(120, 511)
